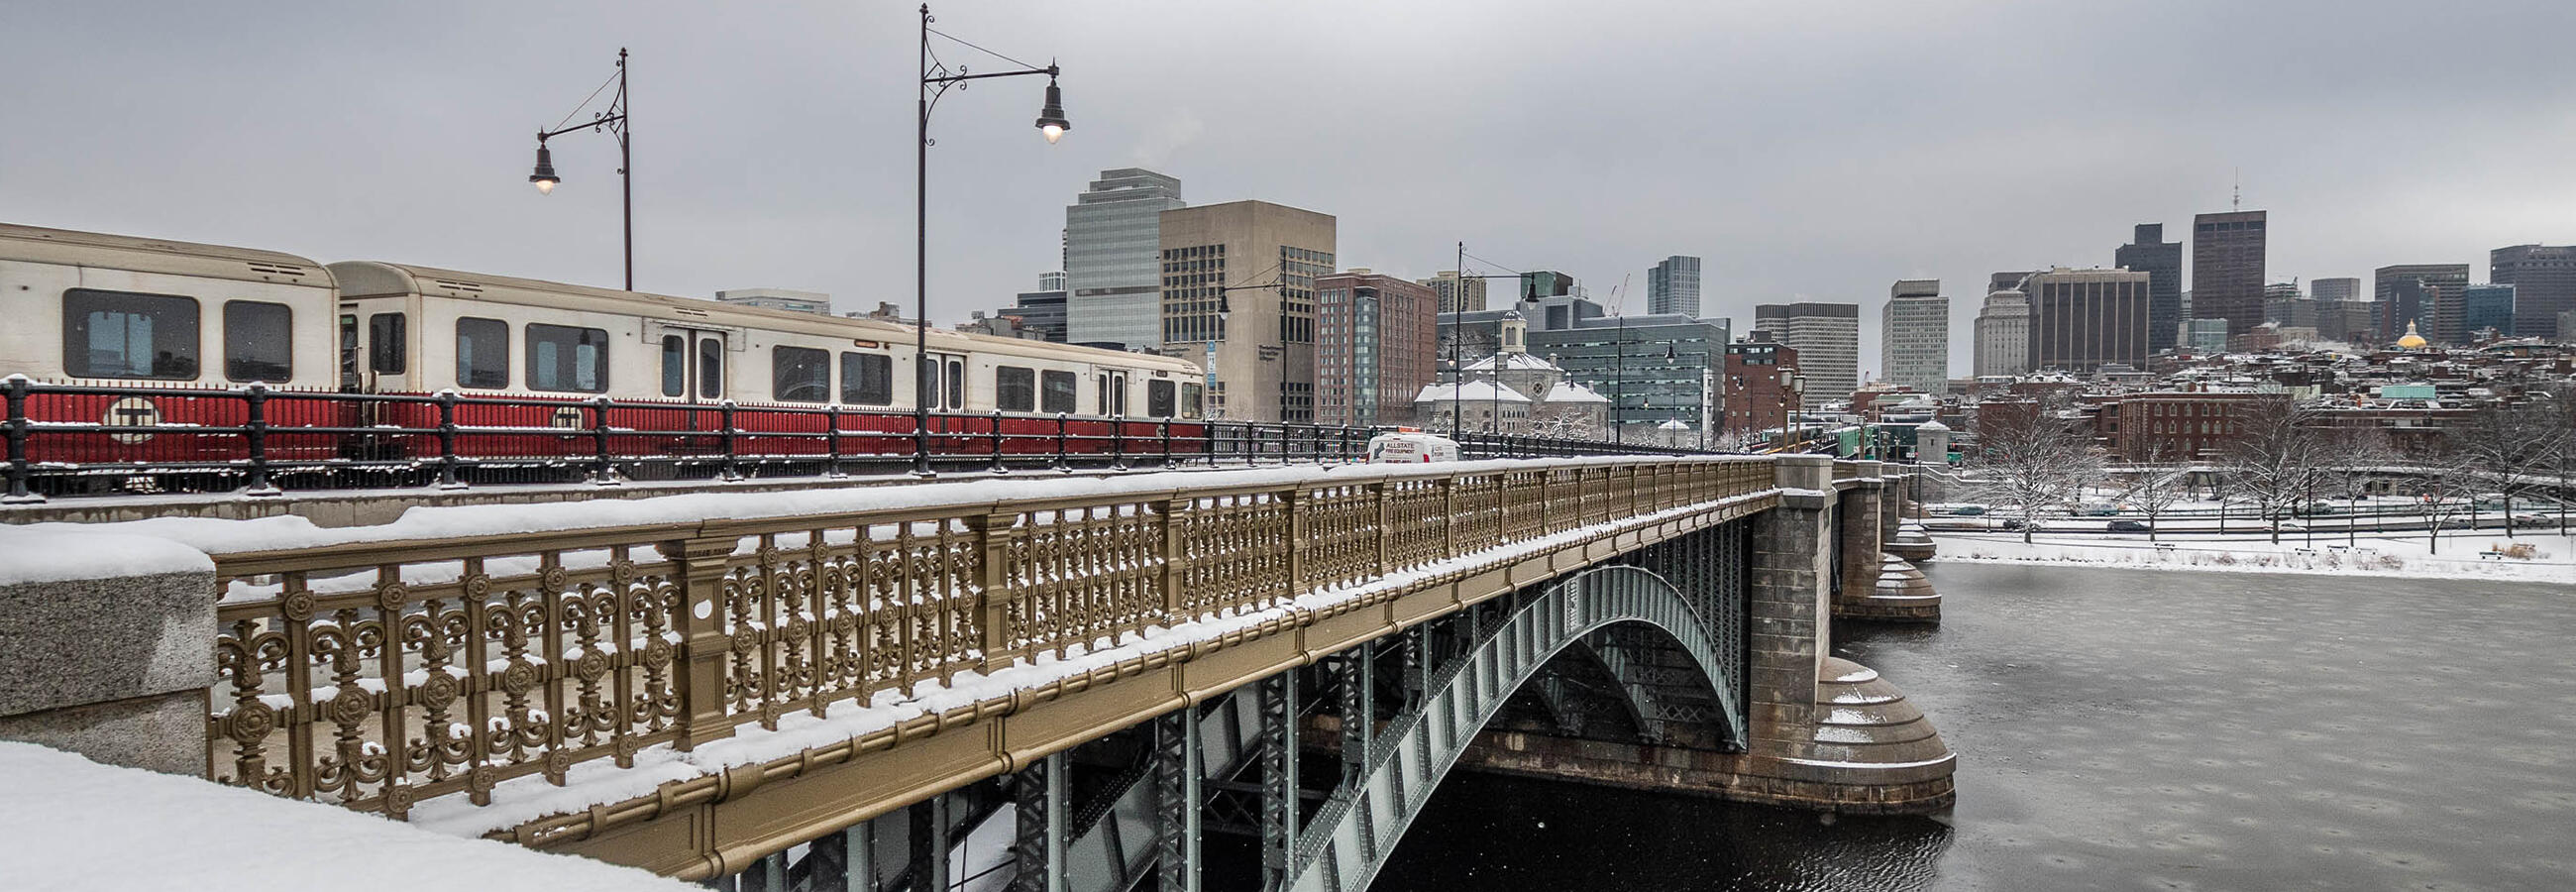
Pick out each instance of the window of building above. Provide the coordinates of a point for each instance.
(386, 344)
(800, 375)
(1057, 390)
(483, 353)
(116, 334)
(867, 379)
(258, 341)
(1015, 388)
(567, 359)
(1193, 401)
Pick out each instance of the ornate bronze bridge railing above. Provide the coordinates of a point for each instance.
(379, 674)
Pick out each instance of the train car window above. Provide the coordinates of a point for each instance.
(1056, 392)
(711, 368)
(348, 351)
(386, 343)
(675, 365)
(1158, 399)
(1193, 400)
(800, 375)
(1015, 388)
(956, 385)
(257, 341)
(483, 354)
(564, 358)
(116, 334)
(867, 379)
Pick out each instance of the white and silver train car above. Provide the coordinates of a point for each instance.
(412, 329)
(112, 310)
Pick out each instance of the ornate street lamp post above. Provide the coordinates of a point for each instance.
(613, 123)
(936, 79)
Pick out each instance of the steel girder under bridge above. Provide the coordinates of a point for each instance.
(1400, 710)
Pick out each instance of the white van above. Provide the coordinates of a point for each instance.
(1411, 447)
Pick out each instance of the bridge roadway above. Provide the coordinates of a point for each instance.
(1100, 671)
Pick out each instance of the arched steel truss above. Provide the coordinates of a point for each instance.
(1350, 837)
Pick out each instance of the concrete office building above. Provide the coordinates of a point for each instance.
(2148, 252)
(1259, 343)
(2003, 330)
(1673, 286)
(2488, 307)
(814, 302)
(1457, 294)
(2285, 307)
(2344, 289)
(1374, 337)
(2416, 293)
(2083, 319)
(1827, 338)
(1112, 263)
(2544, 285)
(1914, 336)
(1042, 311)
(2227, 268)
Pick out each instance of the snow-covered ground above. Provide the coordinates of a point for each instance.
(2485, 553)
(77, 824)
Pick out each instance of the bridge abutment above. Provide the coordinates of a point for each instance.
(113, 668)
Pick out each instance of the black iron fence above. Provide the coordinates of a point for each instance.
(66, 439)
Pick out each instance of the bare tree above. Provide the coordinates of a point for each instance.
(2033, 459)
(2517, 446)
(1741, 440)
(2359, 454)
(2156, 485)
(2279, 461)
(2448, 483)
(1566, 423)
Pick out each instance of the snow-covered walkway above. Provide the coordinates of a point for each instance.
(2483, 554)
(75, 824)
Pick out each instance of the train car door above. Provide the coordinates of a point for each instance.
(947, 382)
(693, 364)
(1113, 394)
(693, 372)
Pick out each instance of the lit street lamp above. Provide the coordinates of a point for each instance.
(936, 79)
(613, 122)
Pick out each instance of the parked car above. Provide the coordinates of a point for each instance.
(2013, 523)
(2128, 526)
(2097, 509)
(1959, 510)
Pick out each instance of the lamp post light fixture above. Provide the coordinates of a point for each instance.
(936, 79)
(1458, 337)
(612, 122)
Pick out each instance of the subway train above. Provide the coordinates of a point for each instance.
(136, 356)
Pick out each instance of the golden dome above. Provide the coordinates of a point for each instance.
(2411, 340)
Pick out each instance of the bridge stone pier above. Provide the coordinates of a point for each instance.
(1873, 581)
(1053, 685)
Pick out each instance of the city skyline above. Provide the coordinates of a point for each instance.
(804, 191)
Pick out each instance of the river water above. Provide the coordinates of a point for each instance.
(2130, 729)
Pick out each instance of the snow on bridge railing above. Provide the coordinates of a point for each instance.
(378, 674)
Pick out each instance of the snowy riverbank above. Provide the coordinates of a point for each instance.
(2550, 558)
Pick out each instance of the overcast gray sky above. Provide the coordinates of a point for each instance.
(1808, 150)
